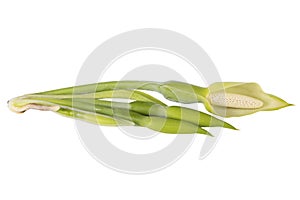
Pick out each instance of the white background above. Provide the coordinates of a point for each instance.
(43, 45)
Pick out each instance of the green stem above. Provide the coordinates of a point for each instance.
(146, 108)
(94, 118)
(87, 111)
(124, 94)
(21, 104)
(172, 90)
(113, 85)
(192, 116)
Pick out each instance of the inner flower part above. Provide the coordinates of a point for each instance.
(234, 100)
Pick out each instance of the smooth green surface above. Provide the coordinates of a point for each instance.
(94, 118)
(122, 94)
(181, 113)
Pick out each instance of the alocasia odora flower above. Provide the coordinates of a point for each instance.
(241, 99)
(227, 99)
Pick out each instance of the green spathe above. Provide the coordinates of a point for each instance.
(227, 99)
(234, 99)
